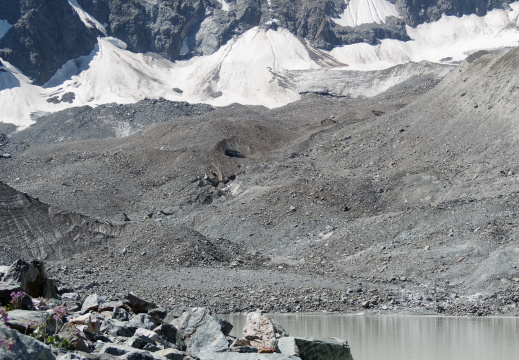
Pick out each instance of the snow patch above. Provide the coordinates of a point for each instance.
(450, 38)
(360, 12)
(86, 18)
(225, 5)
(4, 27)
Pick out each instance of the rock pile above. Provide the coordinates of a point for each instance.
(132, 328)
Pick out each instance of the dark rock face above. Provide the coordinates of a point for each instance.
(44, 36)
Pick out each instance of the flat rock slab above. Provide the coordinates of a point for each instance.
(315, 348)
(238, 356)
(19, 319)
(25, 347)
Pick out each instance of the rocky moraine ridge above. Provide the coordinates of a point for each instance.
(48, 323)
(327, 204)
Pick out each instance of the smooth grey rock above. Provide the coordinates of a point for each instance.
(142, 321)
(19, 319)
(198, 331)
(92, 302)
(70, 297)
(117, 328)
(314, 348)
(25, 347)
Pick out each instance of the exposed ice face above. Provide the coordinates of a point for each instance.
(360, 12)
(4, 27)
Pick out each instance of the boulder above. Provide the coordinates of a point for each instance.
(111, 305)
(128, 353)
(88, 322)
(117, 328)
(138, 305)
(167, 331)
(120, 314)
(198, 331)
(172, 354)
(32, 278)
(261, 330)
(314, 348)
(25, 347)
(77, 339)
(6, 289)
(142, 321)
(25, 321)
(70, 296)
(92, 302)
(158, 314)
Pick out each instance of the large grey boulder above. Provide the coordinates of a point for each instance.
(314, 348)
(142, 321)
(260, 330)
(138, 305)
(25, 347)
(32, 278)
(23, 320)
(198, 332)
(117, 328)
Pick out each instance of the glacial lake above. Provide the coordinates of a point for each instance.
(407, 337)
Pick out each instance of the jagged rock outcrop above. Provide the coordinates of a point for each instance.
(45, 34)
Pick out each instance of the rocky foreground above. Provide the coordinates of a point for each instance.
(44, 325)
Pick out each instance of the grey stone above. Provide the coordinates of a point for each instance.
(167, 331)
(76, 339)
(117, 328)
(172, 354)
(32, 278)
(261, 330)
(198, 331)
(138, 305)
(314, 348)
(142, 321)
(19, 319)
(120, 314)
(92, 302)
(25, 347)
(70, 297)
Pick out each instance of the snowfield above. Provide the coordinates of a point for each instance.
(4, 27)
(360, 12)
(261, 67)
